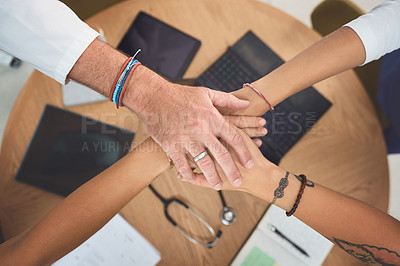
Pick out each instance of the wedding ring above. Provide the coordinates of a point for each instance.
(200, 156)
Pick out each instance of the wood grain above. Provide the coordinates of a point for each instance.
(344, 151)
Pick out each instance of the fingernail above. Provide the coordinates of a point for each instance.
(218, 186)
(264, 131)
(237, 182)
(249, 164)
(262, 122)
(259, 142)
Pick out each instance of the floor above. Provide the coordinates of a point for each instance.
(12, 80)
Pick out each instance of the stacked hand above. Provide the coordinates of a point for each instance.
(184, 121)
(254, 180)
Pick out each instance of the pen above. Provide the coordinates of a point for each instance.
(279, 233)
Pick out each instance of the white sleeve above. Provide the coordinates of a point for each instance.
(44, 33)
(379, 30)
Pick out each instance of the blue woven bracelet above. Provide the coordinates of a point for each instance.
(121, 81)
(119, 84)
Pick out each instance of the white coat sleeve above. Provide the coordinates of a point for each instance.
(44, 33)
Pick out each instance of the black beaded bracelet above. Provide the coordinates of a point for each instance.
(297, 202)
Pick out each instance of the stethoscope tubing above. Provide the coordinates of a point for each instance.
(167, 202)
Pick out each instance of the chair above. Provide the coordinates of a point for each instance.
(87, 8)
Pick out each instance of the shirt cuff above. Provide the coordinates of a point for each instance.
(82, 41)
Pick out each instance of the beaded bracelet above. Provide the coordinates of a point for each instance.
(297, 202)
(271, 107)
(126, 84)
(116, 79)
(119, 85)
(121, 81)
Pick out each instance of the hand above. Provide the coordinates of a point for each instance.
(253, 126)
(184, 122)
(260, 181)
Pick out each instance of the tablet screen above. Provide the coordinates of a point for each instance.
(165, 49)
(68, 150)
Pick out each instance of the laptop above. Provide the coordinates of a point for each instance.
(68, 149)
(248, 60)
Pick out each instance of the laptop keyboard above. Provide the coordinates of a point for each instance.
(291, 118)
(285, 128)
(228, 73)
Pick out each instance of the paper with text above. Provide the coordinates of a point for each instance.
(278, 248)
(117, 243)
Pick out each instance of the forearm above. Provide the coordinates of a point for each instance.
(354, 226)
(98, 67)
(88, 208)
(335, 53)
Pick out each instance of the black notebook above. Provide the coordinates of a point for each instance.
(68, 149)
(166, 50)
(248, 60)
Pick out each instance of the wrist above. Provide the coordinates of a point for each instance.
(263, 180)
(141, 87)
(153, 156)
(288, 198)
(257, 105)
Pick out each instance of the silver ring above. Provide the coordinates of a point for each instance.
(200, 156)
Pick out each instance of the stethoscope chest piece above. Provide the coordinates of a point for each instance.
(228, 216)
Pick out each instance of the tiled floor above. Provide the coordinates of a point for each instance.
(11, 82)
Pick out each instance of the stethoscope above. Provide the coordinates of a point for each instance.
(227, 215)
(167, 202)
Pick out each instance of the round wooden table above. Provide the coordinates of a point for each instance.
(345, 151)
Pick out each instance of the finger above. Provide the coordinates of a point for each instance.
(250, 144)
(226, 100)
(207, 166)
(182, 165)
(255, 132)
(198, 180)
(258, 142)
(235, 140)
(242, 121)
(224, 159)
(192, 164)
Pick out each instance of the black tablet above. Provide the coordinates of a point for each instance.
(68, 149)
(166, 50)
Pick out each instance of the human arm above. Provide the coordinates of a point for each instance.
(360, 41)
(182, 119)
(87, 209)
(356, 227)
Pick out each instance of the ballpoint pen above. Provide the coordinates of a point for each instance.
(279, 233)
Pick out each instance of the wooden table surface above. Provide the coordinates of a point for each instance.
(345, 151)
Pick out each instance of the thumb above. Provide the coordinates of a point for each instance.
(226, 100)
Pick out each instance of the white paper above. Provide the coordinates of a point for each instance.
(75, 93)
(316, 246)
(117, 243)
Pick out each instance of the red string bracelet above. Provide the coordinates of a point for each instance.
(271, 107)
(117, 77)
(125, 84)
